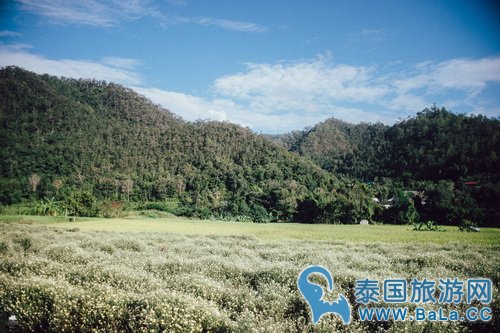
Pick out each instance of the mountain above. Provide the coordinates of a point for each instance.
(434, 145)
(87, 147)
(354, 150)
(451, 161)
(108, 140)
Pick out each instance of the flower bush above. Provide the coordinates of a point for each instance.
(66, 280)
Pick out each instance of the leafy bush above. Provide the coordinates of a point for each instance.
(82, 203)
(48, 206)
(25, 208)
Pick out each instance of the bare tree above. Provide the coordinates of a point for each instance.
(57, 183)
(127, 187)
(34, 181)
(80, 178)
(179, 185)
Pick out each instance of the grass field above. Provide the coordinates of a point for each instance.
(269, 231)
(140, 274)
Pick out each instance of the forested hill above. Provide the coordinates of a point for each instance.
(434, 145)
(107, 140)
(90, 148)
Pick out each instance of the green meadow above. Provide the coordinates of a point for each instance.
(268, 231)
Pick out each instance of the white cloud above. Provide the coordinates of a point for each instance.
(103, 70)
(195, 108)
(317, 85)
(310, 85)
(406, 102)
(467, 74)
(488, 112)
(88, 12)
(281, 97)
(470, 75)
(431, 82)
(187, 106)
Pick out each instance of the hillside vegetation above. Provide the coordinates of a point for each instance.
(107, 140)
(91, 148)
(452, 160)
(434, 145)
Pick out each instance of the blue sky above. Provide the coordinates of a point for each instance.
(273, 66)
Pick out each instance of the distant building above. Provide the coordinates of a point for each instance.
(384, 203)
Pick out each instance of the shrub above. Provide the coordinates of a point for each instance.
(48, 206)
(4, 247)
(112, 208)
(24, 242)
(152, 282)
(82, 203)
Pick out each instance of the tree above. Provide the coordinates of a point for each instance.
(127, 187)
(34, 181)
(82, 203)
(403, 210)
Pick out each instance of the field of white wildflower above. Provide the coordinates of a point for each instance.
(67, 280)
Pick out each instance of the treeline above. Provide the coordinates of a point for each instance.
(87, 147)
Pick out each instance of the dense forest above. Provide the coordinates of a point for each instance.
(434, 145)
(88, 147)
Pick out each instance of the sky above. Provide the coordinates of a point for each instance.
(270, 65)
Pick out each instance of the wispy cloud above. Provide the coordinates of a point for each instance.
(367, 39)
(88, 12)
(117, 62)
(228, 24)
(176, 2)
(7, 33)
(113, 12)
(373, 35)
(318, 85)
(119, 70)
